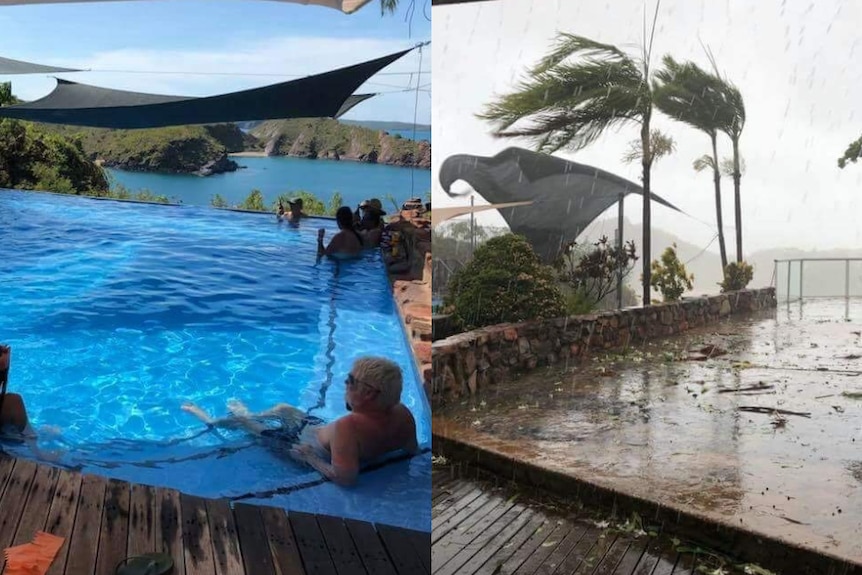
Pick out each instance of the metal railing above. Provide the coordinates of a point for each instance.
(798, 278)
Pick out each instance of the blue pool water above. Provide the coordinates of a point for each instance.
(118, 313)
(355, 181)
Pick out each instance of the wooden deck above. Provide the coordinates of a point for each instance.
(483, 530)
(104, 521)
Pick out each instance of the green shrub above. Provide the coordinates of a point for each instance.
(218, 201)
(669, 276)
(504, 282)
(737, 275)
(254, 201)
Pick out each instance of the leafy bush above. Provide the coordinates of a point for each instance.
(254, 201)
(218, 201)
(737, 275)
(311, 204)
(669, 276)
(504, 282)
(592, 272)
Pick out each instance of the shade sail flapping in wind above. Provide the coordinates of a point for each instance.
(8, 66)
(441, 215)
(346, 6)
(327, 95)
(566, 196)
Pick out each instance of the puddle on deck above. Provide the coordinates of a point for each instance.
(658, 423)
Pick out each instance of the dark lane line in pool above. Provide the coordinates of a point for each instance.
(330, 344)
(300, 486)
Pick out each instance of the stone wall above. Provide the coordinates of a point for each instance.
(411, 282)
(466, 362)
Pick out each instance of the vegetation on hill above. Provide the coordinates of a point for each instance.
(325, 138)
(177, 149)
(31, 159)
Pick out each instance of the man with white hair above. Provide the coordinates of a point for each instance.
(378, 423)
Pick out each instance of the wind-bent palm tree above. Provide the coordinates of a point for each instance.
(733, 100)
(571, 103)
(695, 97)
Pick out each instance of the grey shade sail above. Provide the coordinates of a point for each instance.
(326, 95)
(567, 196)
(9, 66)
(346, 6)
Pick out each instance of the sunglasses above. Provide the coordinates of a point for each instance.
(353, 382)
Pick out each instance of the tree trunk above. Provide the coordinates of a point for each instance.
(736, 198)
(719, 217)
(646, 162)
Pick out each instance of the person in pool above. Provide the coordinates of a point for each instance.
(378, 423)
(294, 214)
(347, 243)
(13, 413)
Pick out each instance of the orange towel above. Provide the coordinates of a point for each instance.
(33, 558)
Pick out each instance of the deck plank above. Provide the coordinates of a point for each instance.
(197, 540)
(6, 465)
(476, 539)
(494, 543)
(114, 536)
(341, 547)
(282, 544)
(168, 529)
(421, 541)
(226, 549)
(13, 502)
(532, 529)
(561, 557)
(142, 521)
(61, 517)
(256, 552)
(38, 505)
(608, 565)
(371, 550)
(84, 543)
(464, 533)
(312, 545)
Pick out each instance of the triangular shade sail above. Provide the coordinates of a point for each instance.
(8, 66)
(327, 95)
(567, 196)
(440, 215)
(346, 6)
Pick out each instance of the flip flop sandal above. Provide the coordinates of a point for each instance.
(147, 564)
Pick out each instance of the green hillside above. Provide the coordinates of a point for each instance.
(331, 139)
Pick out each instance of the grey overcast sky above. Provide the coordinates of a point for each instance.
(795, 62)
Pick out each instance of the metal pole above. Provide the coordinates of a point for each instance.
(620, 251)
(788, 281)
(472, 229)
(800, 280)
(847, 289)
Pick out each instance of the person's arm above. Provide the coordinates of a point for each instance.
(321, 250)
(344, 468)
(411, 445)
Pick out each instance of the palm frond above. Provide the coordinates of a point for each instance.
(564, 104)
(689, 94)
(703, 163)
(661, 145)
(388, 6)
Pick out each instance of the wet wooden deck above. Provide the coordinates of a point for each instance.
(479, 529)
(104, 521)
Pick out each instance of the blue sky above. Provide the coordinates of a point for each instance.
(214, 37)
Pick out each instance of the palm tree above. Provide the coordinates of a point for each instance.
(732, 99)
(691, 95)
(571, 104)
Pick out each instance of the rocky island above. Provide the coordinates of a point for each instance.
(204, 150)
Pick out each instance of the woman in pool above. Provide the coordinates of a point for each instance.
(378, 423)
(347, 243)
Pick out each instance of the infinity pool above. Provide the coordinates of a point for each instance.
(118, 313)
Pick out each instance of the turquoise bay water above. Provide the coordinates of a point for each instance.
(355, 181)
(118, 313)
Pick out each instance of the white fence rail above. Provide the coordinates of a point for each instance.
(805, 278)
